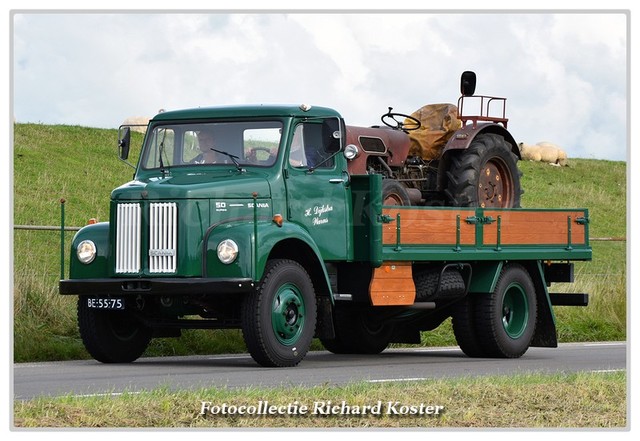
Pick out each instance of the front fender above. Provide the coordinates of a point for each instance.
(252, 258)
(99, 267)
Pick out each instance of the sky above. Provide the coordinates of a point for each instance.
(564, 74)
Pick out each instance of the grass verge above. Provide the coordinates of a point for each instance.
(583, 400)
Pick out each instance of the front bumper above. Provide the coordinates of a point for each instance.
(159, 286)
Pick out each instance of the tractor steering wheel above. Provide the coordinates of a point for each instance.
(400, 121)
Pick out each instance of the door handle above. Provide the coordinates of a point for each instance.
(342, 180)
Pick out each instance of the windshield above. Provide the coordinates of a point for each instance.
(250, 143)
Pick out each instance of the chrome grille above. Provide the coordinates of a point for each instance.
(128, 238)
(162, 237)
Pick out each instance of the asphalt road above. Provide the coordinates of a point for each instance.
(89, 377)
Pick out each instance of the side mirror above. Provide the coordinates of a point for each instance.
(124, 143)
(468, 83)
(332, 135)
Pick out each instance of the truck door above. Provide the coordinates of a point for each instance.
(317, 192)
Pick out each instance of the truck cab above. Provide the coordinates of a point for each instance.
(217, 193)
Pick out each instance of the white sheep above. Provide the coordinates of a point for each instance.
(552, 154)
(543, 152)
(529, 152)
(138, 123)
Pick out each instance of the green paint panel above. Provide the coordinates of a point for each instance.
(366, 196)
(485, 276)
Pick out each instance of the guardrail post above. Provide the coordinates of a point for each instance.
(62, 202)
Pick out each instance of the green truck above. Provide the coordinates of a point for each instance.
(288, 224)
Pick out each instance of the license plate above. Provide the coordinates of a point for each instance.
(105, 303)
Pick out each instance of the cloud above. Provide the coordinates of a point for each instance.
(564, 74)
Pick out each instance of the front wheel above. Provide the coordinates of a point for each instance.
(111, 336)
(505, 320)
(394, 193)
(279, 316)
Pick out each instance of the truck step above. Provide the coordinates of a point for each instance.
(569, 299)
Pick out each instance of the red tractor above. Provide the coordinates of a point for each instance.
(440, 155)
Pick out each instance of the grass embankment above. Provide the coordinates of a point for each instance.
(596, 400)
(80, 165)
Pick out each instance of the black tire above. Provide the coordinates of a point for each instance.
(279, 316)
(451, 285)
(464, 328)
(111, 336)
(484, 175)
(357, 333)
(505, 320)
(394, 193)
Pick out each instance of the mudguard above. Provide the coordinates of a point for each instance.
(253, 255)
(99, 267)
(463, 137)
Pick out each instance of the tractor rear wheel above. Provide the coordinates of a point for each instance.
(484, 175)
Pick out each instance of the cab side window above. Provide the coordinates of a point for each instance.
(308, 148)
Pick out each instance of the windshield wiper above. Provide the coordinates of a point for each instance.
(321, 162)
(234, 158)
(164, 170)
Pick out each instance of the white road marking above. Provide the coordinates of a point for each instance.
(391, 380)
(106, 394)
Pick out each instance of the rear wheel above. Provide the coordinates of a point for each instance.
(357, 333)
(484, 175)
(111, 336)
(464, 327)
(505, 320)
(279, 316)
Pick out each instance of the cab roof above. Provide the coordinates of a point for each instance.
(250, 111)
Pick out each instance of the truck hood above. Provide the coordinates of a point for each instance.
(224, 184)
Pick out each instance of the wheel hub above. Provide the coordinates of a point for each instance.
(291, 314)
(288, 314)
(492, 188)
(392, 199)
(515, 311)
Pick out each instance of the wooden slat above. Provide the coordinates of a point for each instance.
(428, 227)
(534, 228)
(392, 284)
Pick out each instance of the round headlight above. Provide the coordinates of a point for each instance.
(227, 251)
(86, 251)
(351, 152)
